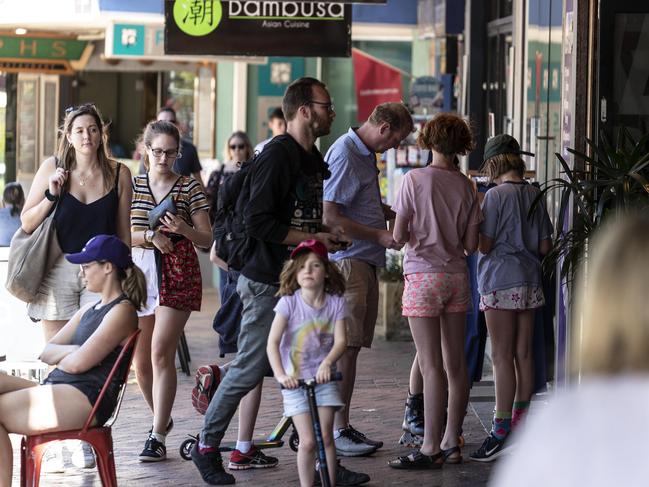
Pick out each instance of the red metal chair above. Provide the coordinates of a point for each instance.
(33, 447)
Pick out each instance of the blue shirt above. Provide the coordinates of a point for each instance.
(354, 185)
(8, 226)
(514, 259)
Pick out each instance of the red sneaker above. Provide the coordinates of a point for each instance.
(253, 459)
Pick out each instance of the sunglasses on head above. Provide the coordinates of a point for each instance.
(237, 146)
(73, 108)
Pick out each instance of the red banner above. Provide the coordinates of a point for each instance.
(376, 82)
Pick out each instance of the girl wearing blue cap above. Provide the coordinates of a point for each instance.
(83, 351)
(509, 283)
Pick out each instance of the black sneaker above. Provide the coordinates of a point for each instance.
(154, 451)
(365, 439)
(344, 477)
(210, 467)
(490, 449)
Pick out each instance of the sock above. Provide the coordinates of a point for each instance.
(244, 446)
(519, 412)
(337, 432)
(159, 437)
(204, 449)
(502, 424)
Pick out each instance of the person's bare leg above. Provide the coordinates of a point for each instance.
(347, 367)
(306, 449)
(169, 324)
(452, 332)
(326, 415)
(416, 381)
(248, 409)
(524, 356)
(426, 333)
(31, 410)
(142, 359)
(501, 325)
(51, 328)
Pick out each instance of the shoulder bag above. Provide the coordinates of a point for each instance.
(31, 256)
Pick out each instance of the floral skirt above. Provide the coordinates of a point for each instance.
(181, 286)
(518, 298)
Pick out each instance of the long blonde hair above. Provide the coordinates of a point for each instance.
(66, 155)
(612, 322)
(133, 285)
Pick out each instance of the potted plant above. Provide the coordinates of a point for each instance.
(615, 181)
(390, 324)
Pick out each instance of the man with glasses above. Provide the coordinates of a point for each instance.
(187, 164)
(283, 209)
(352, 200)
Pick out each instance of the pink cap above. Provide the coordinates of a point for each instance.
(311, 245)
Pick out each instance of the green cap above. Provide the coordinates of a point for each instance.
(503, 144)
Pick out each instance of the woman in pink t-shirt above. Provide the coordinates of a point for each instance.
(438, 218)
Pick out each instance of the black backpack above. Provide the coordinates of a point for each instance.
(233, 245)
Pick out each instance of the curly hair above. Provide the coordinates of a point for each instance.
(447, 134)
(334, 280)
(503, 163)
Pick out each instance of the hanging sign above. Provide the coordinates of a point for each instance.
(376, 82)
(257, 28)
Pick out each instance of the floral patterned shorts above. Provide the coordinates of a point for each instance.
(516, 298)
(430, 294)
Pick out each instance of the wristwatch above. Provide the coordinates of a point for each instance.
(148, 236)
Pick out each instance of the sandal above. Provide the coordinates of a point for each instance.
(448, 455)
(417, 460)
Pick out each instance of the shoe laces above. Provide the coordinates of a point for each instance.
(350, 435)
(356, 432)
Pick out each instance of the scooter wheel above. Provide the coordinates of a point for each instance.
(294, 441)
(186, 448)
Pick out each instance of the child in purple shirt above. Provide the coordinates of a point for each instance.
(306, 339)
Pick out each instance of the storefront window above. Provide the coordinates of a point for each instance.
(499, 8)
(178, 93)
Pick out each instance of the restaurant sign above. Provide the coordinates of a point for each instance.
(257, 28)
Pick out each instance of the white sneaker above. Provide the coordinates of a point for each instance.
(53, 459)
(349, 445)
(82, 454)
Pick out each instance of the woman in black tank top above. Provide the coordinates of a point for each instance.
(84, 351)
(90, 194)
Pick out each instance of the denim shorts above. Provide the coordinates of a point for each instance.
(296, 401)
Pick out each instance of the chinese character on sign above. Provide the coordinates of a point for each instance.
(129, 37)
(200, 11)
(280, 73)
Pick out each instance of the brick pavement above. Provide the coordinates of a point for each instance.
(377, 410)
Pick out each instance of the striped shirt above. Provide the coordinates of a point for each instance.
(189, 199)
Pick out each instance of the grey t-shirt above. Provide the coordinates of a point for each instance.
(514, 259)
(354, 185)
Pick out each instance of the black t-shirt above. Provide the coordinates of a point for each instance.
(188, 163)
(281, 198)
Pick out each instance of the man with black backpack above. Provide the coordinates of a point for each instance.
(283, 206)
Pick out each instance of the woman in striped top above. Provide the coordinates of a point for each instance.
(166, 254)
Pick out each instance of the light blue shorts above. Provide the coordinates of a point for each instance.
(296, 401)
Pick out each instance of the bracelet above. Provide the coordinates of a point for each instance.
(50, 196)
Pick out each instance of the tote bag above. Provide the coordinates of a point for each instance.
(31, 256)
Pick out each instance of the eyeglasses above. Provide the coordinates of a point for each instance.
(329, 106)
(237, 146)
(170, 153)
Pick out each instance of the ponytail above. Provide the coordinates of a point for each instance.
(134, 285)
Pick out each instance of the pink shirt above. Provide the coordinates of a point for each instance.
(440, 205)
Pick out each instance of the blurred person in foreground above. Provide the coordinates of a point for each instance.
(595, 433)
(13, 200)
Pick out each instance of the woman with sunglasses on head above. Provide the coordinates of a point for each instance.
(164, 249)
(92, 195)
(84, 352)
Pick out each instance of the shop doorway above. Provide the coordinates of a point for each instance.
(623, 77)
(498, 85)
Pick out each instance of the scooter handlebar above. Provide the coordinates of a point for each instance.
(335, 376)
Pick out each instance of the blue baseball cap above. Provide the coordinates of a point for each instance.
(103, 247)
